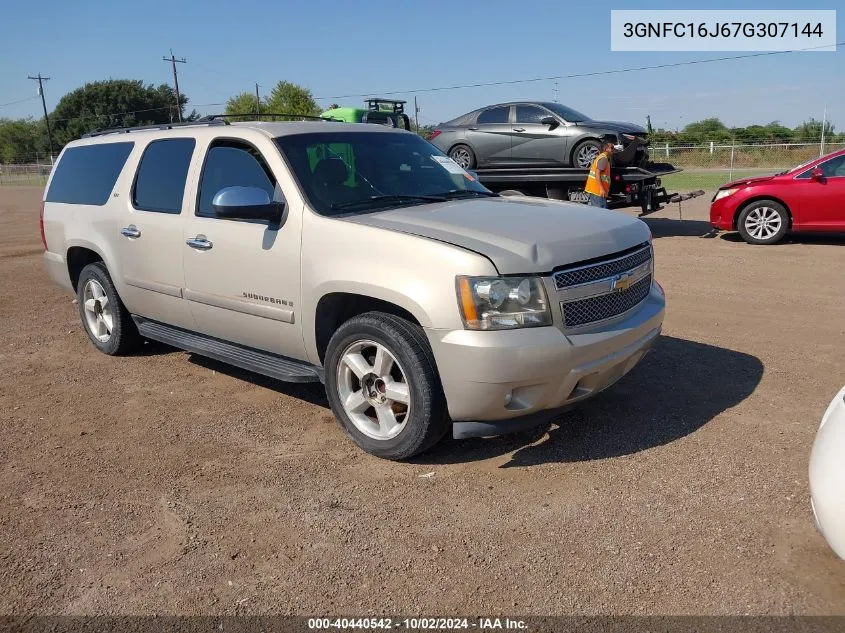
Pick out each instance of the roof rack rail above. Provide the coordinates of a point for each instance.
(154, 126)
(304, 117)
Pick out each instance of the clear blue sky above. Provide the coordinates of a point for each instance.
(380, 47)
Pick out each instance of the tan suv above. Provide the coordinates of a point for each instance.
(354, 255)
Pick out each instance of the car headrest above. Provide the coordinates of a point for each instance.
(331, 171)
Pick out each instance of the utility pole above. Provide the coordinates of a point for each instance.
(173, 61)
(824, 123)
(39, 79)
(416, 114)
(257, 100)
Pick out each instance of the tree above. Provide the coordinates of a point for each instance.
(424, 130)
(285, 98)
(777, 133)
(20, 140)
(288, 98)
(812, 130)
(711, 129)
(114, 103)
(244, 103)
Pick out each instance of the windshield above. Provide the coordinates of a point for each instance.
(567, 114)
(359, 172)
(799, 167)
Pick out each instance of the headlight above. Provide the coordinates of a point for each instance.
(503, 303)
(724, 193)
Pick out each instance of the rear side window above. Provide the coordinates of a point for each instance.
(160, 183)
(86, 174)
(495, 115)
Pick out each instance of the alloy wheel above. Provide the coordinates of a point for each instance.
(585, 156)
(98, 313)
(373, 390)
(763, 223)
(461, 156)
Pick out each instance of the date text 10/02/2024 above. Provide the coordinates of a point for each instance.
(479, 624)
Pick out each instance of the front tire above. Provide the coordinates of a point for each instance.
(763, 222)
(584, 153)
(106, 320)
(463, 155)
(383, 387)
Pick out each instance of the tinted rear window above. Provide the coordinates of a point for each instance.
(160, 183)
(86, 175)
(495, 115)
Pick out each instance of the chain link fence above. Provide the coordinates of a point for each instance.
(31, 172)
(741, 156)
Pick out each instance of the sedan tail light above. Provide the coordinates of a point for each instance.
(434, 135)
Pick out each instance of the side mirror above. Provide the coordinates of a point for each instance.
(246, 203)
(550, 121)
(817, 173)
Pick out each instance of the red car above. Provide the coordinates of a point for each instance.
(810, 197)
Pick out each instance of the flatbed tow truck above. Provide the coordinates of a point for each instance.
(629, 187)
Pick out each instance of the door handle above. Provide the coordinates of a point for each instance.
(199, 242)
(130, 231)
(472, 128)
(519, 129)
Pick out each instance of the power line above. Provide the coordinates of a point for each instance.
(172, 59)
(3, 105)
(579, 75)
(116, 114)
(41, 79)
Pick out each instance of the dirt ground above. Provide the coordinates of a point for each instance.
(165, 483)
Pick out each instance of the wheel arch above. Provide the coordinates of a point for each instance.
(335, 308)
(757, 198)
(77, 258)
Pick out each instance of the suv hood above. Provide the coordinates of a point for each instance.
(519, 235)
(616, 126)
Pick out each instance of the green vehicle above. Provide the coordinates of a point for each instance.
(387, 112)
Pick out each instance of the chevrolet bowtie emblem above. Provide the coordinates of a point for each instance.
(621, 282)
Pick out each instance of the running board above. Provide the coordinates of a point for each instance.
(254, 360)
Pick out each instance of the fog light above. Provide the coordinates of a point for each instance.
(508, 397)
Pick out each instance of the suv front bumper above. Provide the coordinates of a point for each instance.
(499, 382)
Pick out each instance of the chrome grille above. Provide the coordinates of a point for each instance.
(601, 270)
(605, 306)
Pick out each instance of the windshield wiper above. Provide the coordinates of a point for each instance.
(460, 193)
(386, 198)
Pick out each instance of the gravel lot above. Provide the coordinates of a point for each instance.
(165, 483)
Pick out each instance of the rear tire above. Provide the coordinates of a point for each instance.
(383, 387)
(763, 222)
(463, 155)
(106, 320)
